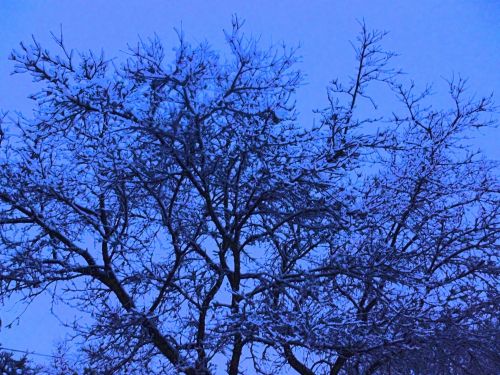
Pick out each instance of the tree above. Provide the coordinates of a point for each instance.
(11, 366)
(183, 208)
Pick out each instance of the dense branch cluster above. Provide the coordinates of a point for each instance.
(182, 207)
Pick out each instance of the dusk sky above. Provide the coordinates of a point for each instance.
(434, 40)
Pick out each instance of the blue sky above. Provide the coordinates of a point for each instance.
(435, 39)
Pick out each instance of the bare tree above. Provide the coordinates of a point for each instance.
(182, 207)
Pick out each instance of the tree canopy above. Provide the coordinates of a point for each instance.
(182, 206)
